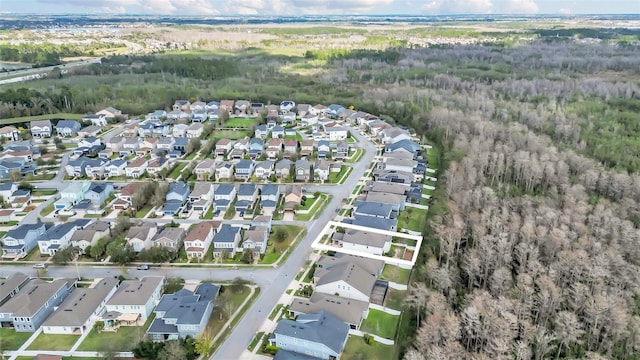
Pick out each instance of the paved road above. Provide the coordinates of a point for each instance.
(273, 282)
(280, 278)
(28, 74)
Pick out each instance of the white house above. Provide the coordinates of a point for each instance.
(198, 240)
(363, 241)
(139, 237)
(136, 299)
(347, 280)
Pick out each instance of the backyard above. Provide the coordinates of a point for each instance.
(395, 274)
(53, 342)
(177, 170)
(380, 323)
(412, 219)
(395, 299)
(11, 339)
(357, 349)
(125, 339)
(239, 123)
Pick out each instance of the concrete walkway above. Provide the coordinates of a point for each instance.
(417, 206)
(24, 346)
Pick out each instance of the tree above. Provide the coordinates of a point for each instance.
(157, 254)
(202, 343)
(15, 176)
(193, 145)
(97, 250)
(121, 253)
(247, 256)
(147, 349)
(173, 349)
(63, 256)
(237, 284)
(159, 194)
(280, 235)
(123, 223)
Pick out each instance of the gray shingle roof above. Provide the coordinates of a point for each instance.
(135, 292)
(226, 234)
(320, 327)
(347, 310)
(22, 230)
(32, 297)
(352, 274)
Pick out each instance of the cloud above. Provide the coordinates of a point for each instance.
(339, 6)
(520, 7)
(458, 7)
(177, 7)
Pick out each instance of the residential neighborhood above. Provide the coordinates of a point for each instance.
(177, 188)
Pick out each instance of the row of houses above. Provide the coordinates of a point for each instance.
(18, 157)
(68, 128)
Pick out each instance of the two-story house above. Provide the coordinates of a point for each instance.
(226, 240)
(263, 169)
(225, 171)
(135, 299)
(98, 119)
(321, 170)
(274, 147)
(261, 132)
(205, 169)
(269, 196)
(115, 144)
(256, 148)
(244, 169)
(72, 194)
(156, 165)
(283, 169)
(99, 192)
(68, 128)
(255, 239)
(20, 240)
(223, 146)
(224, 196)
(139, 236)
(199, 238)
(130, 145)
(41, 128)
(306, 147)
(176, 196)
(201, 197)
(303, 170)
(247, 197)
(170, 238)
(136, 167)
(195, 130)
(10, 133)
(55, 238)
(290, 147)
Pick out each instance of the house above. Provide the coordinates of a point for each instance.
(156, 165)
(180, 130)
(124, 197)
(227, 239)
(303, 170)
(287, 105)
(197, 105)
(77, 167)
(15, 166)
(157, 115)
(373, 209)
(76, 313)
(319, 335)
(256, 147)
(255, 239)
(226, 105)
(195, 130)
(289, 118)
(363, 241)
(347, 280)
(376, 126)
(397, 201)
(6, 189)
(68, 128)
(244, 169)
(205, 169)
(180, 144)
(110, 112)
(400, 165)
(349, 311)
(309, 119)
(28, 309)
(130, 130)
(10, 133)
(55, 238)
(41, 128)
(115, 143)
(408, 146)
(10, 286)
(136, 168)
(139, 236)
(336, 133)
(264, 169)
(201, 197)
(165, 143)
(183, 313)
(256, 109)
(176, 196)
(342, 150)
(181, 105)
(135, 299)
(346, 115)
(326, 263)
(224, 195)
(242, 144)
(292, 197)
(277, 132)
(269, 197)
(290, 146)
(145, 130)
(130, 145)
(242, 107)
(274, 147)
(82, 238)
(283, 168)
(324, 149)
(321, 170)
(247, 197)
(212, 105)
(304, 109)
(393, 135)
(306, 147)
(90, 131)
(224, 171)
(198, 240)
(72, 194)
(20, 240)
(334, 110)
(199, 116)
(96, 119)
(99, 192)
(223, 146)
(170, 238)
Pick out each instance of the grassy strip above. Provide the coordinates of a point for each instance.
(255, 341)
(357, 348)
(275, 311)
(53, 342)
(239, 316)
(143, 212)
(395, 274)
(47, 210)
(25, 119)
(315, 210)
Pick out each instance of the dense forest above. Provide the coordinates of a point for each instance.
(533, 242)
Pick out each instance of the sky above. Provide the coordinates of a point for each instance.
(320, 7)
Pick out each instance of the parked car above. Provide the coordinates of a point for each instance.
(40, 266)
(143, 267)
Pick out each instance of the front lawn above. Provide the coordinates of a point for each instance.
(44, 192)
(239, 123)
(274, 248)
(125, 339)
(177, 170)
(380, 323)
(395, 274)
(54, 342)
(318, 207)
(11, 339)
(143, 212)
(356, 348)
(215, 323)
(412, 219)
(47, 210)
(341, 176)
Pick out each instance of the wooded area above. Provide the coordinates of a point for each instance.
(534, 228)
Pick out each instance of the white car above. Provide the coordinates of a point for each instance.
(40, 266)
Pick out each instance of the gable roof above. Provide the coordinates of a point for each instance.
(347, 310)
(23, 229)
(246, 189)
(270, 189)
(320, 327)
(135, 292)
(227, 233)
(32, 297)
(352, 274)
(201, 230)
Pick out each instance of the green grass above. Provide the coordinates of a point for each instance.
(12, 340)
(209, 214)
(236, 319)
(395, 299)
(255, 340)
(23, 119)
(53, 342)
(214, 326)
(10, 223)
(381, 324)
(356, 348)
(317, 209)
(356, 157)
(125, 339)
(274, 249)
(341, 176)
(143, 212)
(192, 155)
(227, 134)
(239, 123)
(231, 211)
(412, 219)
(177, 170)
(47, 210)
(275, 311)
(396, 274)
(44, 192)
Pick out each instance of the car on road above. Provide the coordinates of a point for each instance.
(143, 267)
(40, 266)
